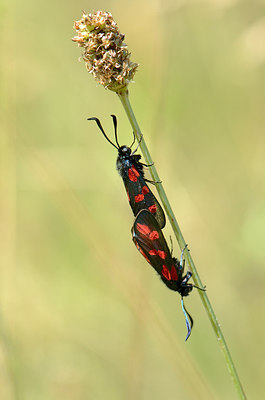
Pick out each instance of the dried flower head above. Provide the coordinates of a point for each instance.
(105, 55)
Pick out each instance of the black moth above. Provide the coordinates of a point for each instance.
(131, 170)
(150, 241)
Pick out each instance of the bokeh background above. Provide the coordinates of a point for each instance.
(82, 315)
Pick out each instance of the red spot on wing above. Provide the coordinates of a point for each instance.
(143, 229)
(139, 198)
(152, 252)
(154, 235)
(135, 171)
(174, 274)
(145, 190)
(166, 273)
(152, 209)
(159, 253)
(133, 174)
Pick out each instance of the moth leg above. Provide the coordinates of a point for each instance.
(141, 137)
(153, 182)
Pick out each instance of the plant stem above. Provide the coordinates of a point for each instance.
(124, 97)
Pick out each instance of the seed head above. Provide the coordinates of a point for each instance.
(105, 54)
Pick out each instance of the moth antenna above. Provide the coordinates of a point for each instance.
(102, 130)
(189, 320)
(115, 128)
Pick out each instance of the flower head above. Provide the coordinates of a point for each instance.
(105, 54)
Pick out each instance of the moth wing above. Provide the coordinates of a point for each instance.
(150, 241)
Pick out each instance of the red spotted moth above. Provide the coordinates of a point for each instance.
(131, 170)
(150, 241)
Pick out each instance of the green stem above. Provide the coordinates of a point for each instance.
(124, 97)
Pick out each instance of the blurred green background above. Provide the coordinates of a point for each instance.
(82, 315)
